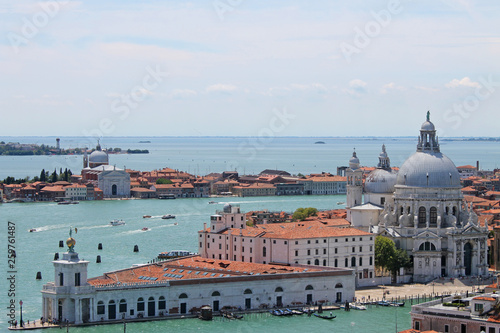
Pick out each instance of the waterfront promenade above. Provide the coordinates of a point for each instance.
(444, 286)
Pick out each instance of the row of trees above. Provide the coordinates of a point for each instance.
(45, 176)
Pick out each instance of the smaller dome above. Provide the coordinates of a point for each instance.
(227, 208)
(354, 161)
(427, 126)
(380, 181)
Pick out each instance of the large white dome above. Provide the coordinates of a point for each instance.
(98, 156)
(428, 169)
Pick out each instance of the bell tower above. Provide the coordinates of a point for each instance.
(354, 184)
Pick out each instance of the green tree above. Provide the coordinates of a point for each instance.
(53, 176)
(301, 214)
(385, 250)
(163, 181)
(43, 177)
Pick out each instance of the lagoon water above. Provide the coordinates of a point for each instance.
(248, 155)
(35, 250)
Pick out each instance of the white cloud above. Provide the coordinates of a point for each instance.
(390, 87)
(357, 87)
(465, 82)
(183, 93)
(221, 88)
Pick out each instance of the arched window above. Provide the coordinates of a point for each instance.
(162, 304)
(316, 262)
(278, 290)
(114, 189)
(264, 251)
(455, 210)
(402, 210)
(247, 292)
(140, 304)
(309, 287)
(353, 262)
(101, 309)
(324, 262)
(183, 295)
(339, 285)
(422, 218)
(215, 294)
(427, 246)
(433, 216)
(123, 306)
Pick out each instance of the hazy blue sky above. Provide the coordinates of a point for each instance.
(241, 67)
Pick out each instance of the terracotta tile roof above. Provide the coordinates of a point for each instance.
(193, 267)
(483, 298)
(297, 230)
(466, 167)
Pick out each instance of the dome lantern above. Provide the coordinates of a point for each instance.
(427, 141)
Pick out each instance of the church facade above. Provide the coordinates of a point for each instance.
(421, 208)
(114, 182)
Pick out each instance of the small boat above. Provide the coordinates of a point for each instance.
(169, 216)
(145, 229)
(33, 230)
(117, 222)
(212, 202)
(357, 306)
(174, 254)
(64, 203)
(296, 312)
(146, 216)
(330, 317)
(340, 203)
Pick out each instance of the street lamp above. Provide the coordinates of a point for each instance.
(21, 307)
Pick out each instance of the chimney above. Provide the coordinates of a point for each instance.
(204, 226)
(477, 165)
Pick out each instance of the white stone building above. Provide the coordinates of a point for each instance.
(76, 192)
(183, 286)
(422, 210)
(304, 243)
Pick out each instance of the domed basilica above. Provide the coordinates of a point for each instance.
(421, 208)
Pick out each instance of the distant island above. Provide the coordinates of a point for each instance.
(22, 149)
(319, 143)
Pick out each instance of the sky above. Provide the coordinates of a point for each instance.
(249, 68)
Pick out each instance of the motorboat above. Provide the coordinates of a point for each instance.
(357, 306)
(117, 222)
(146, 216)
(145, 229)
(175, 254)
(32, 230)
(168, 216)
(212, 202)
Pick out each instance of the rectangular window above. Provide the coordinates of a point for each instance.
(308, 242)
(296, 253)
(286, 242)
(235, 247)
(220, 246)
(417, 325)
(308, 252)
(336, 240)
(317, 251)
(296, 242)
(234, 257)
(61, 279)
(274, 241)
(336, 250)
(77, 279)
(200, 244)
(250, 250)
(353, 249)
(360, 249)
(324, 251)
(478, 307)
